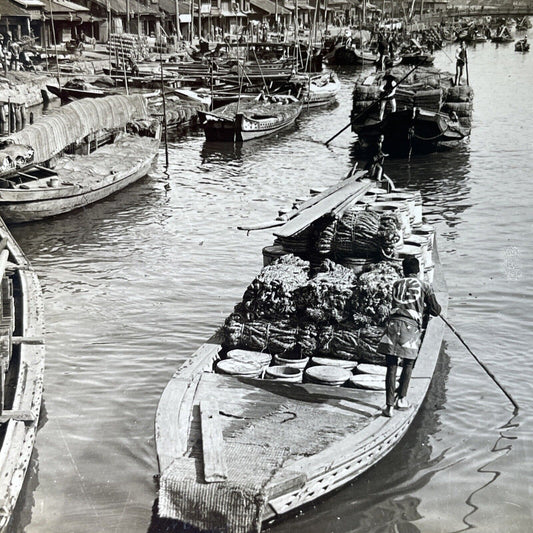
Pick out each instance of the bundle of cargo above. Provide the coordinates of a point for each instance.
(347, 341)
(373, 292)
(430, 99)
(270, 295)
(325, 298)
(459, 101)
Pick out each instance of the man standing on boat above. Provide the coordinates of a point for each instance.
(388, 91)
(460, 62)
(411, 300)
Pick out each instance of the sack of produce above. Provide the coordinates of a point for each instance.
(325, 298)
(389, 234)
(270, 294)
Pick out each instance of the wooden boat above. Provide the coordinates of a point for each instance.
(417, 58)
(109, 158)
(243, 121)
(73, 93)
(236, 451)
(416, 130)
(502, 39)
(522, 46)
(318, 90)
(21, 369)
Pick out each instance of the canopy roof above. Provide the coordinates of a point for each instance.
(269, 7)
(9, 9)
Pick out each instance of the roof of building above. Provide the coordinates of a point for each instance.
(169, 6)
(119, 7)
(63, 6)
(9, 9)
(269, 7)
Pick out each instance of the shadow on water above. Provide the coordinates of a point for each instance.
(501, 446)
(379, 500)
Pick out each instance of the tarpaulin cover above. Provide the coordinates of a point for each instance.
(71, 123)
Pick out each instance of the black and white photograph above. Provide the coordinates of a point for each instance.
(265, 266)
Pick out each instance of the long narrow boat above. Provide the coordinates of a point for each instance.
(246, 120)
(319, 90)
(89, 160)
(21, 369)
(236, 451)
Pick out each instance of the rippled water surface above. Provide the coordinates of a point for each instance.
(135, 283)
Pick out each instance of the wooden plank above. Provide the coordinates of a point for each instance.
(28, 340)
(215, 469)
(308, 216)
(4, 254)
(305, 204)
(22, 416)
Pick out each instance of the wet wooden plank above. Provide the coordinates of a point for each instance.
(215, 469)
(324, 206)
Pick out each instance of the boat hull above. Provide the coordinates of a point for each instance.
(26, 371)
(296, 471)
(425, 132)
(23, 209)
(245, 126)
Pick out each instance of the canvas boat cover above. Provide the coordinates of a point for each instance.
(71, 123)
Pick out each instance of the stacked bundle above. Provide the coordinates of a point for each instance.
(373, 293)
(325, 298)
(430, 99)
(270, 295)
(356, 233)
(275, 337)
(369, 338)
(388, 234)
(347, 342)
(459, 100)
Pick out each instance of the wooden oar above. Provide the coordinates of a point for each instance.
(483, 366)
(371, 106)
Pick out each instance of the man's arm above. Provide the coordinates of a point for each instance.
(433, 307)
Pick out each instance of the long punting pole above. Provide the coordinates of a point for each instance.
(164, 105)
(483, 366)
(375, 102)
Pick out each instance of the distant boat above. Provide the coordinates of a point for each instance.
(86, 168)
(81, 88)
(319, 90)
(22, 354)
(246, 120)
(521, 46)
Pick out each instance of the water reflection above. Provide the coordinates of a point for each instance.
(502, 446)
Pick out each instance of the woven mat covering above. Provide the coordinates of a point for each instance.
(235, 506)
(53, 133)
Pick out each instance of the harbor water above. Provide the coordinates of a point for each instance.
(134, 284)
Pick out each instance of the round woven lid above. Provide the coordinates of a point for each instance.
(278, 371)
(368, 381)
(366, 368)
(247, 356)
(238, 368)
(329, 361)
(328, 374)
